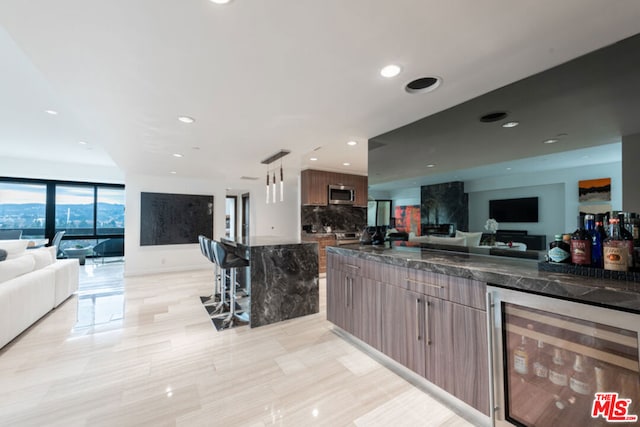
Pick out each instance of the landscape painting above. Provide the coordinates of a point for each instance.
(594, 190)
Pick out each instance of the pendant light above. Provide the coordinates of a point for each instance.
(271, 180)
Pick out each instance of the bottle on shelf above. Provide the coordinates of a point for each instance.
(558, 374)
(541, 361)
(580, 245)
(559, 251)
(615, 250)
(521, 358)
(596, 240)
(626, 236)
(579, 381)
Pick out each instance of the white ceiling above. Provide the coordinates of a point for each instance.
(260, 76)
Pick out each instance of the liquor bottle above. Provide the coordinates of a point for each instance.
(615, 250)
(626, 236)
(559, 251)
(580, 381)
(580, 245)
(541, 362)
(521, 358)
(596, 240)
(558, 370)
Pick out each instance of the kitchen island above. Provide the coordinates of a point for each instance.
(282, 277)
(430, 310)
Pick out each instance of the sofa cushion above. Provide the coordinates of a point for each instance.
(14, 248)
(3, 254)
(12, 268)
(473, 238)
(41, 256)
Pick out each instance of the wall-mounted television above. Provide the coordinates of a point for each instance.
(524, 209)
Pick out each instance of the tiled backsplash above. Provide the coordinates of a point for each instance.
(347, 218)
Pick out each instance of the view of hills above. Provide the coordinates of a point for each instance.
(32, 215)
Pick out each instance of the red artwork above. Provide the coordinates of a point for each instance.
(408, 219)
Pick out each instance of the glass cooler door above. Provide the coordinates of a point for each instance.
(566, 364)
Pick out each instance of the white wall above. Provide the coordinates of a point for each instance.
(281, 219)
(406, 196)
(551, 206)
(155, 259)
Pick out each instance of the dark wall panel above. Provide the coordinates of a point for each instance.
(171, 219)
(445, 203)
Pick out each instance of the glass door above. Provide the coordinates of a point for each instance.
(563, 363)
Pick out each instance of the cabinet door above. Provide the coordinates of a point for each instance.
(361, 191)
(366, 311)
(402, 332)
(439, 343)
(470, 357)
(338, 310)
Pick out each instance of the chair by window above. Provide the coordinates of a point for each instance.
(109, 248)
(10, 234)
(57, 238)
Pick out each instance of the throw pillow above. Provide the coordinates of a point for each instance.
(14, 248)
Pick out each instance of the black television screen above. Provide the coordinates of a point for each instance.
(514, 210)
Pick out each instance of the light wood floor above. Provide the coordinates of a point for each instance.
(142, 352)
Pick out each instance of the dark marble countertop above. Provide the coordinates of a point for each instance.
(512, 273)
(254, 241)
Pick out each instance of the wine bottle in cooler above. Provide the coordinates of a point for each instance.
(521, 358)
(541, 361)
(558, 371)
(580, 381)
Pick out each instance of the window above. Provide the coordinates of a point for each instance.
(74, 209)
(88, 212)
(23, 207)
(110, 211)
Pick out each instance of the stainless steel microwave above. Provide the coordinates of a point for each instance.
(341, 195)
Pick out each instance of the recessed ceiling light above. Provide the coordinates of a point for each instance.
(346, 164)
(431, 165)
(510, 124)
(82, 143)
(186, 119)
(177, 155)
(550, 141)
(390, 71)
(52, 112)
(508, 169)
(352, 143)
(173, 172)
(313, 159)
(220, 1)
(423, 85)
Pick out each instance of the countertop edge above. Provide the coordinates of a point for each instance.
(522, 275)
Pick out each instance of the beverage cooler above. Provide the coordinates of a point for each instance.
(561, 363)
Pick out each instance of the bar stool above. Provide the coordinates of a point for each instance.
(216, 295)
(230, 262)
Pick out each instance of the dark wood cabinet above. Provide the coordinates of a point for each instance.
(314, 187)
(431, 323)
(353, 301)
(470, 359)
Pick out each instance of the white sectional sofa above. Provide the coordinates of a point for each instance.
(32, 283)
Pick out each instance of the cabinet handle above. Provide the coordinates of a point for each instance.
(352, 266)
(426, 315)
(492, 407)
(346, 296)
(426, 284)
(351, 291)
(418, 318)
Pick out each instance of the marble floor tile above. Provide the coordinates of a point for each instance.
(142, 351)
